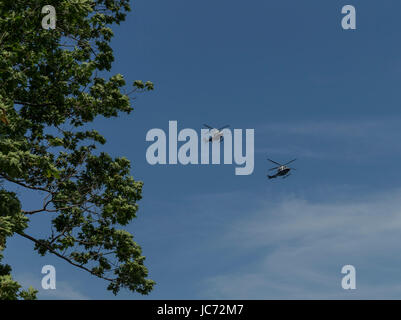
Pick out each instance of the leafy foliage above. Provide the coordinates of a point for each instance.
(50, 89)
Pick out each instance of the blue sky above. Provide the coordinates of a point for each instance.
(311, 91)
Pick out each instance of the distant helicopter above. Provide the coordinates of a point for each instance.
(282, 169)
(217, 134)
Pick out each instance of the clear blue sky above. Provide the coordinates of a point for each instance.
(312, 91)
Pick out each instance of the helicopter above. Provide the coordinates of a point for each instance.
(282, 169)
(217, 134)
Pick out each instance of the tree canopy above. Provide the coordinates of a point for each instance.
(50, 90)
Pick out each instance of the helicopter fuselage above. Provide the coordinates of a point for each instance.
(216, 135)
(282, 171)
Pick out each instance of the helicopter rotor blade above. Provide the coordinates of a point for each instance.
(224, 127)
(207, 126)
(275, 162)
(290, 162)
(275, 168)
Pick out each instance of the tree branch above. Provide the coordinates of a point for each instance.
(22, 234)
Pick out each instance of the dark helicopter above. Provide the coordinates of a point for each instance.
(282, 169)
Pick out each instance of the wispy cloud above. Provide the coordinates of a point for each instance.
(295, 250)
(349, 139)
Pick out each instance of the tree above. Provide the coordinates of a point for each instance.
(50, 89)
